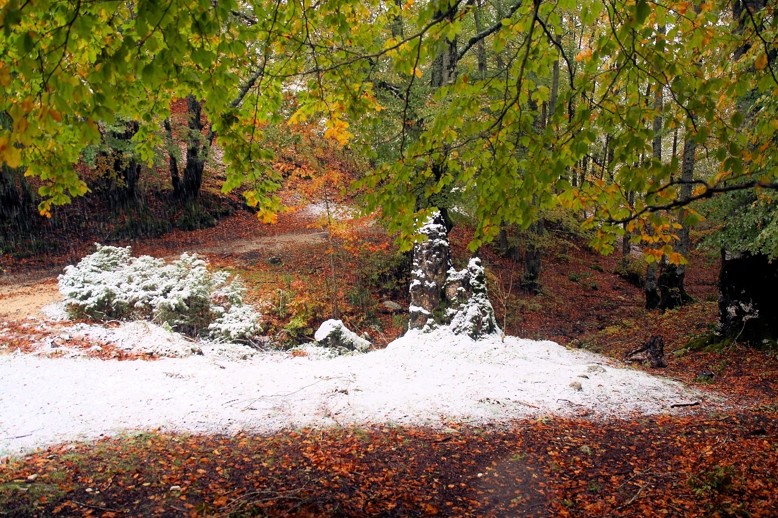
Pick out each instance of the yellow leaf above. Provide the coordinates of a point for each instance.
(10, 154)
(297, 117)
(251, 198)
(267, 216)
(676, 258)
(761, 62)
(584, 55)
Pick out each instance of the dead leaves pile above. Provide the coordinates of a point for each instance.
(714, 465)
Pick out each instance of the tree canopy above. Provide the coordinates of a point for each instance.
(525, 104)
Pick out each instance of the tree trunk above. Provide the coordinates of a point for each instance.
(16, 199)
(506, 247)
(652, 292)
(626, 244)
(481, 45)
(672, 293)
(552, 101)
(196, 153)
(651, 288)
(121, 186)
(742, 10)
(175, 178)
(530, 281)
(130, 168)
(748, 307)
(397, 22)
(15, 194)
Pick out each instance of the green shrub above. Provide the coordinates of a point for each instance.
(184, 294)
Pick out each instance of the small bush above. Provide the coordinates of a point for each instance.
(111, 284)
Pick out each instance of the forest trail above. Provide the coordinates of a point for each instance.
(24, 298)
(25, 293)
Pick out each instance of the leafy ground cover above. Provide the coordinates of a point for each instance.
(722, 465)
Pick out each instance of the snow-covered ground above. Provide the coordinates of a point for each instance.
(421, 379)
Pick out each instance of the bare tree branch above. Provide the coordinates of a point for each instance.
(486, 32)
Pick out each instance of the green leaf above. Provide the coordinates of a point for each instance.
(642, 10)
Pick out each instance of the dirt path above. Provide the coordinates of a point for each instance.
(23, 299)
(25, 293)
(266, 244)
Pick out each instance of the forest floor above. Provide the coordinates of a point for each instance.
(717, 461)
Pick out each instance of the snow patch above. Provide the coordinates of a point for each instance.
(141, 337)
(55, 312)
(420, 379)
(321, 209)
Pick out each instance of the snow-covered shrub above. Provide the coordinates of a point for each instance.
(184, 294)
(185, 300)
(93, 287)
(236, 324)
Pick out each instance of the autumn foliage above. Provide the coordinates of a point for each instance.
(690, 466)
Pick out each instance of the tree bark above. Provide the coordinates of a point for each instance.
(16, 200)
(530, 281)
(652, 293)
(748, 307)
(480, 50)
(122, 185)
(672, 292)
(397, 22)
(175, 178)
(196, 152)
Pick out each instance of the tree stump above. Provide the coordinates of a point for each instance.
(431, 262)
(653, 352)
(748, 309)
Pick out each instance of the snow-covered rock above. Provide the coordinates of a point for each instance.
(470, 311)
(332, 333)
(431, 261)
(443, 296)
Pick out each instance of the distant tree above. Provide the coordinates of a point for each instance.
(117, 164)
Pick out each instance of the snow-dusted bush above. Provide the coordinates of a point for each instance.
(238, 323)
(185, 294)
